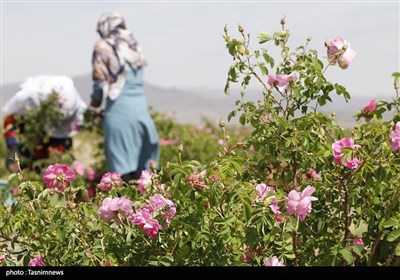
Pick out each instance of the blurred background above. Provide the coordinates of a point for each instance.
(183, 43)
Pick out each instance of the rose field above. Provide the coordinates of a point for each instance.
(285, 185)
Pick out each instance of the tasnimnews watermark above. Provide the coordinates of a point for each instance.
(28, 272)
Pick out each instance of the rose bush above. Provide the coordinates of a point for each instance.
(296, 191)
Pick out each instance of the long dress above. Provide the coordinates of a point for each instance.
(131, 140)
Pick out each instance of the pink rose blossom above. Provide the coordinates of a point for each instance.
(299, 203)
(395, 138)
(144, 220)
(58, 176)
(358, 241)
(338, 146)
(339, 52)
(144, 180)
(106, 211)
(151, 227)
(273, 262)
(262, 191)
(37, 261)
(110, 180)
(79, 168)
(222, 142)
(275, 209)
(90, 173)
(197, 180)
(2, 258)
(158, 201)
(282, 81)
(368, 110)
(112, 206)
(124, 206)
(312, 174)
(15, 191)
(371, 106)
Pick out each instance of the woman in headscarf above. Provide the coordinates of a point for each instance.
(130, 137)
(30, 96)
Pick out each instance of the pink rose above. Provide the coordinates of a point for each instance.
(338, 146)
(312, 174)
(107, 209)
(158, 201)
(273, 262)
(58, 176)
(144, 220)
(275, 209)
(197, 180)
(110, 180)
(368, 110)
(15, 191)
(2, 258)
(282, 81)
(91, 173)
(112, 206)
(37, 261)
(79, 168)
(395, 138)
(358, 241)
(370, 107)
(299, 203)
(262, 191)
(339, 52)
(124, 206)
(144, 180)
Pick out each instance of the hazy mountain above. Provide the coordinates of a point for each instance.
(191, 105)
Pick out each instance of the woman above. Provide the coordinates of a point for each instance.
(32, 93)
(130, 137)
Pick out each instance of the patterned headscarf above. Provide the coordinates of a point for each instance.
(116, 48)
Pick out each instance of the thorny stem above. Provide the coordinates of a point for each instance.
(294, 168)
(175, 245)
(254, 73)
(346, 213)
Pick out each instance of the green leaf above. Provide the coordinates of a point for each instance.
(358, 249)
(232, 74)
(347, 255)
(393, 235)
(263, 69)
(268, 59)
(380, 173)
(397, 250)
(290, 255)
(396, 74)
(264, 37)
(247, 209)
(390, 223)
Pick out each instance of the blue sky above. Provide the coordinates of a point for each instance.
(183, 40)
